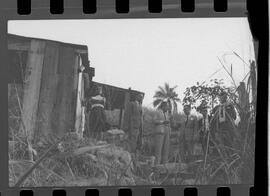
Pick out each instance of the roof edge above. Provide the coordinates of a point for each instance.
(77, 46)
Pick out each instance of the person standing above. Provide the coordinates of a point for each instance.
(97, 117)
(133, 121)
(223, 123)
(162, 133)
(203, 125)
(188, 133)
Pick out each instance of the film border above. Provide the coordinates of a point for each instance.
(105, 10)
(137, 9)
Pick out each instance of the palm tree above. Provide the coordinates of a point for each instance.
(167, 94)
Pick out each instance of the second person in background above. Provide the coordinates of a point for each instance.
(162, 133)
(189, 134)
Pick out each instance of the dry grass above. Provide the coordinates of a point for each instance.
(93, 168)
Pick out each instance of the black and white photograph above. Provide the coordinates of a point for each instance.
(131, 102)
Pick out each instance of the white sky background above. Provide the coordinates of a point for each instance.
(145, 53)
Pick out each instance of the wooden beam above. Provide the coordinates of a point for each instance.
(81, 51)
(79, 108)
(32, 86)
(75, 89)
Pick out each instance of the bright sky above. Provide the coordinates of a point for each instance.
(145, 53)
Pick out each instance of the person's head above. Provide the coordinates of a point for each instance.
(223, 97)
(100, 90)
(187, 109)
(96, 90)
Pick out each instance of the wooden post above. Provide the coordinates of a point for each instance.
(75, 90)
(84, 116)
(243, 95)
(80, 109)
(32, 86)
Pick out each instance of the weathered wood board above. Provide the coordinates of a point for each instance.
(75, 88)
(79, 115)
(62, 110)
(127, 100)
(57, 104)
(48, 90)
(32, 86)
(51, 101)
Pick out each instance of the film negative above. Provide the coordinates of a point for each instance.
(114, 97)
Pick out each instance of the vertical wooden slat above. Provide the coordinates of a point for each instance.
(62, 111)
(78, 102)
(120, 117)
(75, 89)
(32, 85)
(84, 116)
(48, 90)
(127, 98)
(76, 72)
(78, 119)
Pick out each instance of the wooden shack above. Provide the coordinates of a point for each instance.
(117, 98)
(48, 71)
(53, 86)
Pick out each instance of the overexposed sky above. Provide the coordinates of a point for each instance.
(145, 53)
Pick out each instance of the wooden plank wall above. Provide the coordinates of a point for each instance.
(32, 86)
(57, 103)
(62, 110)
(49, 103)
(48, 91)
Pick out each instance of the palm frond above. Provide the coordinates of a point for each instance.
(167, 87)
(174, 87)
(159, 94)
(168, 94)
(157, 102)
(161, 89)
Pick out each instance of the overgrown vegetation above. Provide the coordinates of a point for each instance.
(239, 167)
(74, 161)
